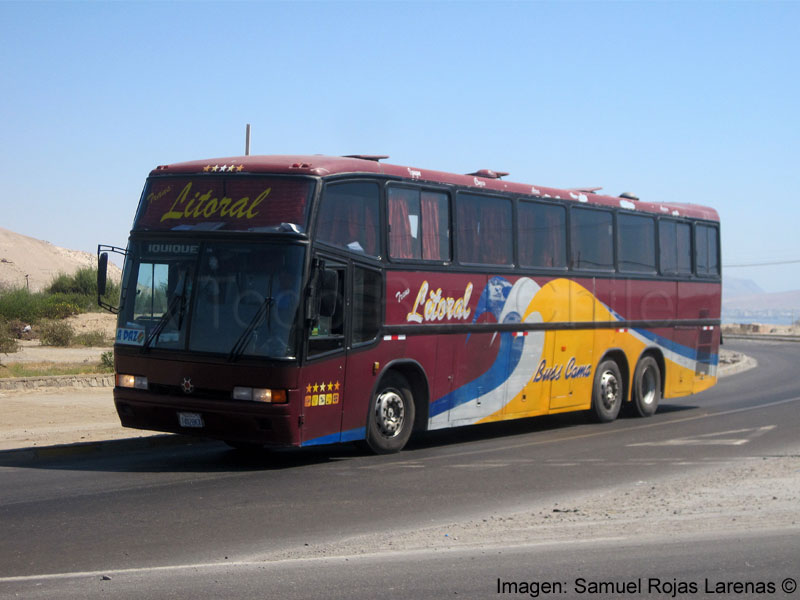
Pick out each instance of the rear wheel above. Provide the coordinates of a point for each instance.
(391, 415)
(607, 392)
(646, 387)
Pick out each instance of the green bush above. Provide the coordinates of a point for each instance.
(107, 361)
(83, 282)
(81, 288)
(56, 333)
(91, 338)
(21, 304)
(67, 295)
(8, 339)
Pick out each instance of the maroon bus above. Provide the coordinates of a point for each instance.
(302, 300)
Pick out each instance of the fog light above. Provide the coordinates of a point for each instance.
(138, 382)
(259, 395)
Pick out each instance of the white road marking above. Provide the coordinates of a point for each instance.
(713, 439)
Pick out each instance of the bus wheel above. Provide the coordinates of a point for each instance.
(607, 392)
(646, 387)
(391, 415)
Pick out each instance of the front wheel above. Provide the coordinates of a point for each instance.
(607, 392)
(646, 387)
(391, 415)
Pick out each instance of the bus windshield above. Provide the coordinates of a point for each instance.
(218, 297)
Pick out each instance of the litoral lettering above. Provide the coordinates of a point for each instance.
(436, 307)
(204, 206)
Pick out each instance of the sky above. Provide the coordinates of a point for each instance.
(674, 101)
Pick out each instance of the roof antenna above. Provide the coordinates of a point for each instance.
(247, 141)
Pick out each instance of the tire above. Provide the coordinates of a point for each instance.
(646, 387)
(391, 415)
(607, 392)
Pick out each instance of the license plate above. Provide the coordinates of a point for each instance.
(190, 420)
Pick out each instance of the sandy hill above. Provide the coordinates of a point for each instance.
(41, 261)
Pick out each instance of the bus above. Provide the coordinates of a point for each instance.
(307, 300)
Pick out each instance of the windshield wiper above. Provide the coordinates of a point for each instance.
(244, 339)
(177, 301)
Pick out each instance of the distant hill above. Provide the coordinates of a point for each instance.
(41, 261)
(734, 288)
(778, 308)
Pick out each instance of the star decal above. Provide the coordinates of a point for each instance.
(308, 389)
(322, 387)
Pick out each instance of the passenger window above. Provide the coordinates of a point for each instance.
(542, 235)
(367, 303)
(348, 217)
(707, 251)
(419, 224)
(675, 247)
(637, 243)
(592, 238)
(485, 233)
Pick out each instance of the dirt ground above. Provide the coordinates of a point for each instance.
(52, 416)
(756, 493)
(32, 351)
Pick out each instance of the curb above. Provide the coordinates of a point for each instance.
(743, 365)
(94, 380)
(23, 456)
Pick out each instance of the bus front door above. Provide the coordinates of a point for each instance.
(323, 377)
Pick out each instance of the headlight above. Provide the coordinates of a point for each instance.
(259, 395)
(138, 382)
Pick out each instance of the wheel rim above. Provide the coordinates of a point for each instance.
(648, 394)
(609, 389)
(390, 413)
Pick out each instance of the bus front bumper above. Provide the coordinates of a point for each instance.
(223, 420)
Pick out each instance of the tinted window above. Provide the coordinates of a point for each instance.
(637, 243)
(485, 234)
(684, 248)
(675, 247)
(348, 217)
(327, 333)
(367, 304)
(542, 235)
(419, 224)
(707, 250)
(592, 239)
(207, 202)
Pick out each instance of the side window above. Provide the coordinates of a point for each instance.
(485, 231)
(637, 243)
(348, 217)
(684, 248)
(707, 250)
(367, 303)
(419, 224)
(592, 239)
(542, 235)
(675, 247)
(327, 333)
(151, 291)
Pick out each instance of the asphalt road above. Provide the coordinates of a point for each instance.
(198, 520)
